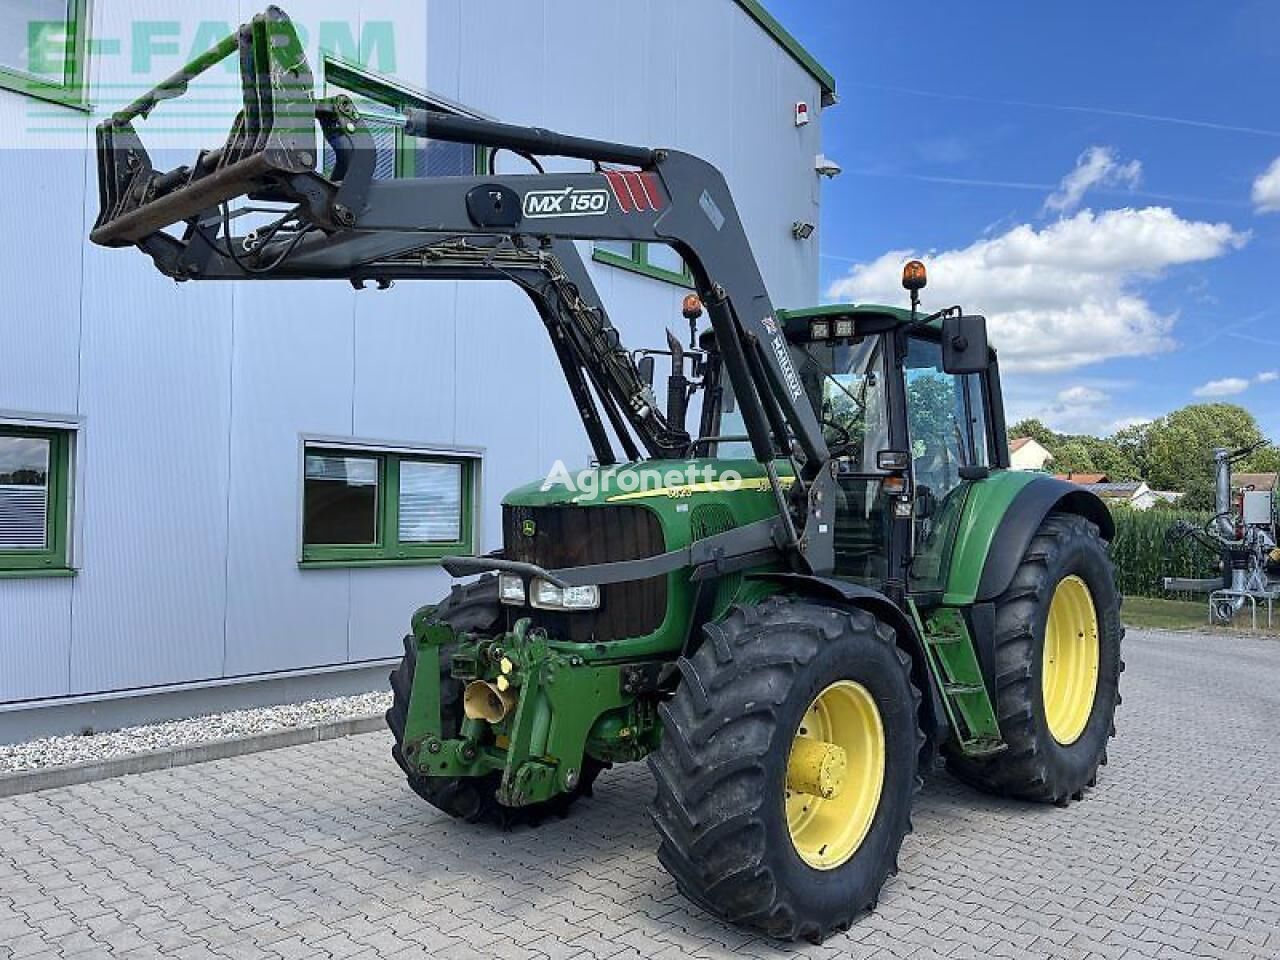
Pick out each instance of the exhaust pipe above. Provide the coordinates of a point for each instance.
(482, 700)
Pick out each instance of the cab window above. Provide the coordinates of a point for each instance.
(846, 383)
(947, 427)
(946, 419)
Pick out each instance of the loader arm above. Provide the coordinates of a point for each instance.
(514, 226)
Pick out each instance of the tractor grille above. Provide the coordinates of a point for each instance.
(580, 536)
(706, 520)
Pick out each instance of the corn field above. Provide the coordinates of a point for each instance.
(1142, 555)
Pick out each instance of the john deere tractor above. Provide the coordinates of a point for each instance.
(788, 608)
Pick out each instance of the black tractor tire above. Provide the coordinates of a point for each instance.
(1035, 766)
(721, 770)
(470, 607)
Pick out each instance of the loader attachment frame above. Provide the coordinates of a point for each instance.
(518, 227)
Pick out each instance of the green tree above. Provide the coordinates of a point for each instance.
(1180, 445)
(1198, 496)
(1135, 443)
(1263, 460)
(1035, 430)
(1110, 458)
(1073, 456)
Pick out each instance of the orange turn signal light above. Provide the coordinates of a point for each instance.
(914, 276)
(692, 307)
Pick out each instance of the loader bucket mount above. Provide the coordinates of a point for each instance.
(270, 154)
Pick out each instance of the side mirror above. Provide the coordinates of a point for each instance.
(893, 461)
(964, 344)
(646, 369)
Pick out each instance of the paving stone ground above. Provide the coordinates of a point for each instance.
(321, 851)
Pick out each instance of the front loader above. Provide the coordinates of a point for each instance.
(789, 609)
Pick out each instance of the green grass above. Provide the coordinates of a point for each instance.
(1184, 615)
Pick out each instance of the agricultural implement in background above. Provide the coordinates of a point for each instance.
(848, 581)
(1242, 533)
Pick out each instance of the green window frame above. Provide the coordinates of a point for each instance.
(639, 261)
(387, 549)
(70, 91)
(342, 77)
(51, 560)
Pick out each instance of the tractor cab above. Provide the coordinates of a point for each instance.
(911, 420)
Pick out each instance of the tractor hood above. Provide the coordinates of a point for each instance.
(647, 480)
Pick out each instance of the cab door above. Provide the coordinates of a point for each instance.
(949, 431)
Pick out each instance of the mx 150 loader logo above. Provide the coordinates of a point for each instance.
(566, 203)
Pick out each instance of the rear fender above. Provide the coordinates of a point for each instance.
(1001, 515)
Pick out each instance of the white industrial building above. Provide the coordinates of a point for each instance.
(168, 453)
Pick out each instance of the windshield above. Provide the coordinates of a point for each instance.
(846, 381)
(845, 384)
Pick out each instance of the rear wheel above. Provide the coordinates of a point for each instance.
(1058, 668)
(787, 767)
(469, 608)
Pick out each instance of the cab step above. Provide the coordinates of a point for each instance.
(953, 661)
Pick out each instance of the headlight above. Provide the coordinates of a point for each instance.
(547, 596)
(511, 589)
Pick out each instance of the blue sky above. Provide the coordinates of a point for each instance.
(1113, 301)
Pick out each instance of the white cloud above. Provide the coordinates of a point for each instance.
(1082, 409)
(1232, 386)
(1063, 296)
(1266, 189)
(1077, 409)
(1096, 167)
(1226, 387)
(1092, 405)
(1125, 423)
(1081, 397)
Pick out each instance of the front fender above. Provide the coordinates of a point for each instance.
(1001, 515)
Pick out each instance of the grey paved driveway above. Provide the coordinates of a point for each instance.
(320, 851)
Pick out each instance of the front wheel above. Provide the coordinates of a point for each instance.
(787, 767)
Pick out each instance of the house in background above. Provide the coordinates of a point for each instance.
(1254, 481)
(1135, 494)
(1027, 453)
(1084, 479)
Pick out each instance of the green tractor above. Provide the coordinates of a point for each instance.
(789, 612)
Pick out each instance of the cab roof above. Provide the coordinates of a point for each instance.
(854, 311)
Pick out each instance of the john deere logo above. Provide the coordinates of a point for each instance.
(528, 528)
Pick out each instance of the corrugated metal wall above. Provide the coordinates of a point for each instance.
(191, 399)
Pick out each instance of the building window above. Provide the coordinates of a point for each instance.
(373, 506)
(381, 103)
(651, 259)
(43, 47)
(34, 500)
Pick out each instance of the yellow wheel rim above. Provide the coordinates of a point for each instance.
(835, 772)
(1069, 674)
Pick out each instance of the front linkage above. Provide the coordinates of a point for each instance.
(540, 703)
